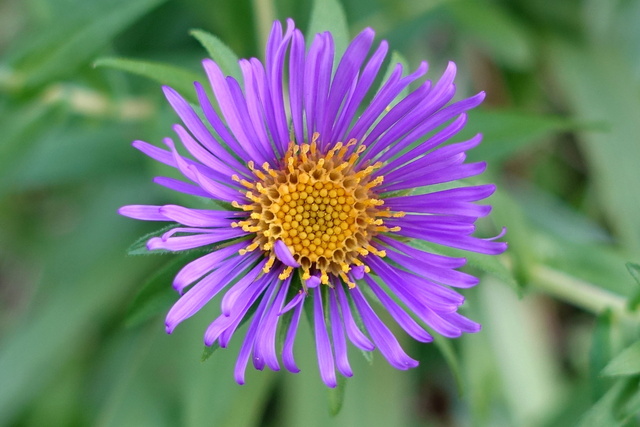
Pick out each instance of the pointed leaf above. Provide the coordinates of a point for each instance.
(156, 295)
(139, 247)
(329, 15)
(226, 59)
(178, 78)
(625, 363)
(336, 396)
(76, 36)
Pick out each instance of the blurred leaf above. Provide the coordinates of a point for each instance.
(504, 36)
(625, 363)
(612, 156)
(595, 263)
(445, 347)
(505, 132)
(336, 396)
(21, 128)
(329, 15)
(523, 352)
(178, 78)
(600, 352)
(606, 411)
(156, 295)
(634, 270)
(226, 59)
(555, 215)
(74, 38)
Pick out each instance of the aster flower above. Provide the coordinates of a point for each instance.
(321, 211)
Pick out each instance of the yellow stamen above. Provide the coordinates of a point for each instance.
(320, 206)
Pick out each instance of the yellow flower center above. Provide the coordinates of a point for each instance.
(319, 206)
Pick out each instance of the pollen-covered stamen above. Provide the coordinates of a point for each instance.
(320, 207)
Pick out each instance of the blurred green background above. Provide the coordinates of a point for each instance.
(82, 337)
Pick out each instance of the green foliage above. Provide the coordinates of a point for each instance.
(176, 77)
(219, 52)
(328, 15)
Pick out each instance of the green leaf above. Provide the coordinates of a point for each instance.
(139, 247)
(226, 59)
(448, 352)
(607, 410)
(600, 352)
(625, 363)
(156, 295)
(75, 38)
(505, 132)
(634, 270)
(178, 78)
(501, 34)
(329, 15)
(208, 351)
(612, 156)
(336, 396)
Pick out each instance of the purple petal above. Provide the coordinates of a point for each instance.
(443, 135)
(382, 336)
(353, 332)
(189, 242)
(203, 291)
(247, 345)
(339, 341)
(389, 91)
(226, 136)
(287, 349)
(399, 315)
(229, 110)
(323, 346)
(284, 254)
(364, 83)
(435, 260)
(143, 212)
(346, 73)
(199, 267)
(296, 83)
(264, 351)
(181, 186)
(198, 217)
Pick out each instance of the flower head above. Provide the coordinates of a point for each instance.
(321, 204)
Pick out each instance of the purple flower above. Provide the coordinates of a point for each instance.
(321, 211)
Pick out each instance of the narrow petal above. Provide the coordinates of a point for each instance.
(247, 345)
(143, 212)
(201, 266)
(195, 241)
(199, 217)
(265, 348)
(204, 291)
(382, 336)
(353, 332)
(284, 254)
(398, 313)
(323, 346)
(181, 186)
(288, 359)
(339, 341)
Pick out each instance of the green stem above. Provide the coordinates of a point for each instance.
(580, 293)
